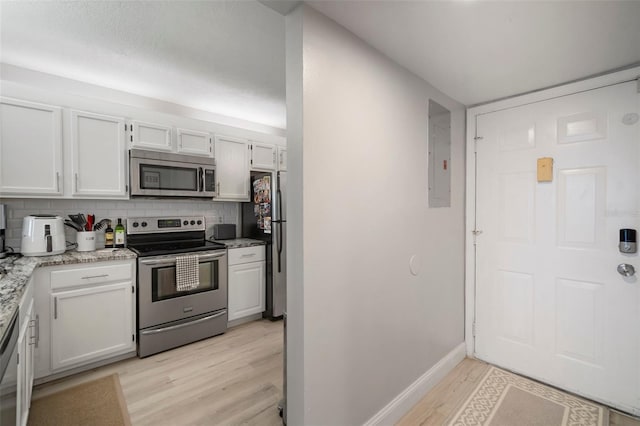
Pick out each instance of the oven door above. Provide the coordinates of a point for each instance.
(162, 178)
(160, 302)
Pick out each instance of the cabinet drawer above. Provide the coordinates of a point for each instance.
(246, 255)
(87, 275)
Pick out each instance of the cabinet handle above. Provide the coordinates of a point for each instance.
(248, 255)
(95, 276)
(55, 308)
(58, 181)
(274, 158)
(218, 190)
(76, 177)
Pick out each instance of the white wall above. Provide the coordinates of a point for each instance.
(295, 233)
(365, 328)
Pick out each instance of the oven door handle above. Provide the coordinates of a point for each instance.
(173, 260)
(186, 324)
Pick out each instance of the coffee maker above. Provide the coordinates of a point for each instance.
(3, 227)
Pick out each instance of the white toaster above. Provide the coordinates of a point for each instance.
(42, 235)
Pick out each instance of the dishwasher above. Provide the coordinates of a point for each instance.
(9, 374)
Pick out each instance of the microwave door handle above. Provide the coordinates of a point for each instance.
(201, 179)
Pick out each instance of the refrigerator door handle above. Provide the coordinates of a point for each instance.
(279, 222)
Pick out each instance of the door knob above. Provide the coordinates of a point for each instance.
(626, 270)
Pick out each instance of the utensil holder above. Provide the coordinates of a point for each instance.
(86, 241)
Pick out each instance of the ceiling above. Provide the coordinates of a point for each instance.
(225, 57)
(228, 57)
(477, 51)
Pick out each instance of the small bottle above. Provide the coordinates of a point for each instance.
(119, 234)
(108, 236)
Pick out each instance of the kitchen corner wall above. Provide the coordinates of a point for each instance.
(17, 209)
(363, 325)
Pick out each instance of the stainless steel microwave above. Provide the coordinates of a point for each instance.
(161, 174)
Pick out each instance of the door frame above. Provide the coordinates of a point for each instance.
(591, 83)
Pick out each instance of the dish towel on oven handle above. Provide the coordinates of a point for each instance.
(187, 272)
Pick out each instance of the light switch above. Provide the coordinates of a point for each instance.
(545, 169)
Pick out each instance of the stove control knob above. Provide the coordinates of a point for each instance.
(144, 224)
(135, 224)
(193, 222)
(199, 222)
(185, 223)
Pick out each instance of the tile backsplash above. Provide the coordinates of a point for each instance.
(17, 209)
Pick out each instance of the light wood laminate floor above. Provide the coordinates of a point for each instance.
(235, 378)
(446, 397)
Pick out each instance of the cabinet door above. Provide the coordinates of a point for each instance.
(91, 323)
(30, 149)
(150, 136)
(232, 169)
(98, 167)
(246, 289)
(263, 156)
(194, 142)
(25, 365)
(282, 159)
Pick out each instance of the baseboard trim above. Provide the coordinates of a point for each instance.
(402, 403)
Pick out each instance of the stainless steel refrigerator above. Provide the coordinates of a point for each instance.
(264, 219)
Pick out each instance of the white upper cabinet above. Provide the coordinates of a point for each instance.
(194, 142)
(150, 136)
(98, 155)
(232, 168)
(263, 156)
(30, 149)
(282, 158)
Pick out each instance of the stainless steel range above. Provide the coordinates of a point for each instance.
(169, 317)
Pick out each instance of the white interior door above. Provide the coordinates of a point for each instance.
(549, 301)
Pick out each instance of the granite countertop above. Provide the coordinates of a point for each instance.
(16, 272)
(241, 242)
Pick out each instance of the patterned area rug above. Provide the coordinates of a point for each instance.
(505, 399)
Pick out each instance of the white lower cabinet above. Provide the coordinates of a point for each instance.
(91, 323)
(246, 282)
(26, 341)
(87, 314)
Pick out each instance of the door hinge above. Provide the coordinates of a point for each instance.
(475, 143)
(475, 234)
